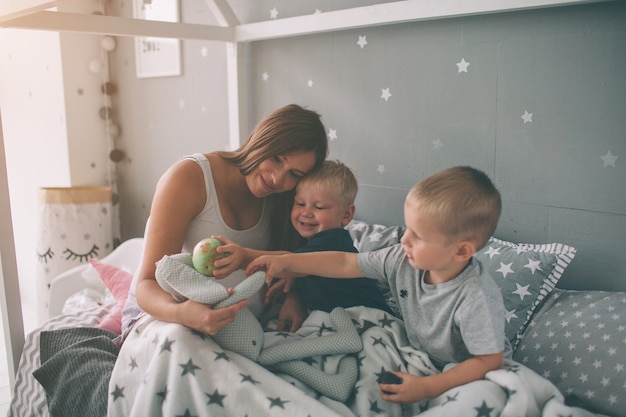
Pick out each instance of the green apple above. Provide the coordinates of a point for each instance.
(204, 255)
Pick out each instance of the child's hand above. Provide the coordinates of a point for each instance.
(291, 314)
(412, 389)
(235, 258)
(273, 265)
(277, 288)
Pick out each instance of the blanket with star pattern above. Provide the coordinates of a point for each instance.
(165, 369)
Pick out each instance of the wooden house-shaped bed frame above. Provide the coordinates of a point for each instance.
(51, 16)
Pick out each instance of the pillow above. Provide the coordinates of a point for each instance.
(87, 299)
(577, 341)
(368, 237)
(526, 274)
(118, 282)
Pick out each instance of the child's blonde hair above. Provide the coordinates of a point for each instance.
(462, 200)
(337, 177)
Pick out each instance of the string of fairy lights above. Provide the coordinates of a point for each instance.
(112, 129)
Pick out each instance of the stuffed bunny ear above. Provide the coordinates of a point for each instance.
(244, 289)
(176, 275)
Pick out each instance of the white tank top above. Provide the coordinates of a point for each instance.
(210, 222)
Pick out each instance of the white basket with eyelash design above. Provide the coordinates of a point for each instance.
(75, 225)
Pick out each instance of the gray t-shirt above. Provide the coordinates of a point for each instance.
(451, 322)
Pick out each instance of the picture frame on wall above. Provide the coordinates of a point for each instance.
(157, 57)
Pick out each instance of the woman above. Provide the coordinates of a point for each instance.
(241, 195)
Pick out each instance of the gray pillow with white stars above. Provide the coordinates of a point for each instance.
(525, 273)
(577, 340)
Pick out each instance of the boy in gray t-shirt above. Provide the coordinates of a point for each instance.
(451, 307)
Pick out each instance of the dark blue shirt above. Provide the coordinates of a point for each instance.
(325, 294)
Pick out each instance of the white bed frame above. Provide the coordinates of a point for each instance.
(54, 16)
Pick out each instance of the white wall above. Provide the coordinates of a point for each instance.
(35, 139)
(53, 134)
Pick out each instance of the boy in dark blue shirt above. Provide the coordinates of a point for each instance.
(323, 206)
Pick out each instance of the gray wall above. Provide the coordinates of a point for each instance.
(565, 65)
(165, 118)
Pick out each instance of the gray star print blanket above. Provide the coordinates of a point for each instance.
(165, 369)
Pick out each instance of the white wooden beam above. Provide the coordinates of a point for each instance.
(386, 13)
(10, 9)
(237, 94)
(118, 26)
(380, 14)
(235, 75)
(10, 303)
(222, 12)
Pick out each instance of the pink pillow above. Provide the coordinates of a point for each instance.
(118, 282)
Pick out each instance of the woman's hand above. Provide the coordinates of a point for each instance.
(204, 318)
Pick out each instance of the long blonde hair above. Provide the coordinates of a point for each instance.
(287, 130)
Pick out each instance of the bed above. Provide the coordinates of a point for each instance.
(569, 350)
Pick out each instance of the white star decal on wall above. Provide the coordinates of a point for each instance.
(310, 83)
(437, 144)
(265, 76)
(362, 41)
(386, 94)
(204, 51)
(380, 169)
(332, 134)
(273, 13)
(462, 66)
(527, 117)
(609, 159)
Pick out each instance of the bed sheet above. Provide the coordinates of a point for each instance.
(164, 369)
